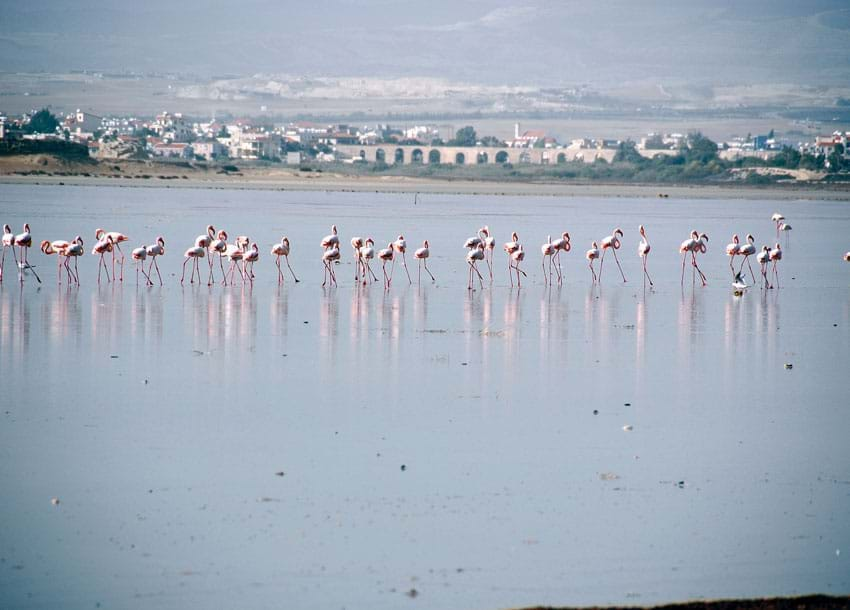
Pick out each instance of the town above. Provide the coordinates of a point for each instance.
(172, 136)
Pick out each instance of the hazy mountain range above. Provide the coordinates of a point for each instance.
(529, 42)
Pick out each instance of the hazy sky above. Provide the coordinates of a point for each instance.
(527, 41)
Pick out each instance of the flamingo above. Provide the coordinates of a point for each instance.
(775, 257)
(510, 247)
(422, 254)
(193, 254)
(117, 238)
(205, 241)
(24, 240)
(733, 249)
(218, 246)
(613, 242)
(747, 250)
(8, 242)
(591, 255)
(472, 257)
(785, 227)
(251, 256)
(234, 253)
(282, 249)
(101, 247)
(387, 254)
(58, 247)
(643, 252)
(400, 247)
(692, 246)
(154, 251)
(75, 250)
(489, 246)
(547, 249)
(331, 255)
(561, 245)
(366, 253)
(763, 258)
(356, 244)
(517, 256)
(331, 240)
(139, 255)
(778, 219)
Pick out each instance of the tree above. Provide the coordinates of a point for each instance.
(839, 149)
(42, 122)
(700, 148)
(491, 141)
(223, 133)
(627, 152)
(465, 136)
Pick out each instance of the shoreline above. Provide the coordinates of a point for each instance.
(400, 184)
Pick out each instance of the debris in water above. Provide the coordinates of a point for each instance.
(596, 411)
(403, 467)
(280, 473)
(113, 356)
(412, 593)
(608, 476)
(627, 404)
(681, 484)
(789, 366)
(628, 428)
(54, 501)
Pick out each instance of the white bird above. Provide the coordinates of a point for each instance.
(591, 255)
(282, 249)
(154, 251)
(366, 254)
(422, 254)
(386, 254)
(472, 257)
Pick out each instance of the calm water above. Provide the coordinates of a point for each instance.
(431, 439)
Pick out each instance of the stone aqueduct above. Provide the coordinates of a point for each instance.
(471, 155)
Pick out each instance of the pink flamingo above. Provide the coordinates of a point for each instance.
(472, 257)
(422, 254)
(251, 256)
(489, 247)
(101, 247)
(732, 250)
(778, 219)
(356, 245)
(747, 250)
(329, 257)
(763, 258)
(24, 241)
(547, 249)
(205, 241)
(643, 252)
(366, 253)
(193, 254)
(613, 242)
(139, 255)
(387, 254)
(155, 251)
(688, 247)
(58, 247)
(234, 253)
(75, 250)
(331, 240)
(400, 247)
(510, 247)
(561, 245)
(517, 256)
(117, 238)
(218, 246)
(591, 255)
(775, 257)
(8, 242)
(282, 249)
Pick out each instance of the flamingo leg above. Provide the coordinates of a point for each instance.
(646, 273)
(684, 258)
(543, 264)
(221, 266)
(121, 263)
(386, 277)
(433, 279)
(511, 270)
(2, 261)
(279, 272)
(618, 265)
(480, 277)
(290, 270)
(490, 263)
(469, 279)
(419, 275)
(518, 283)
(489, 266)
(210, 278)
(183, 277)
(76, 272)
(17, 264)
(601, 263)
(776, 273)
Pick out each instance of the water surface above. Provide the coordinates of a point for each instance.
(465, 445)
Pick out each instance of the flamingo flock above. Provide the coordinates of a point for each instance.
(243, 254)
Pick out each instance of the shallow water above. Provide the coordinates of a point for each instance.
(431, 439)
